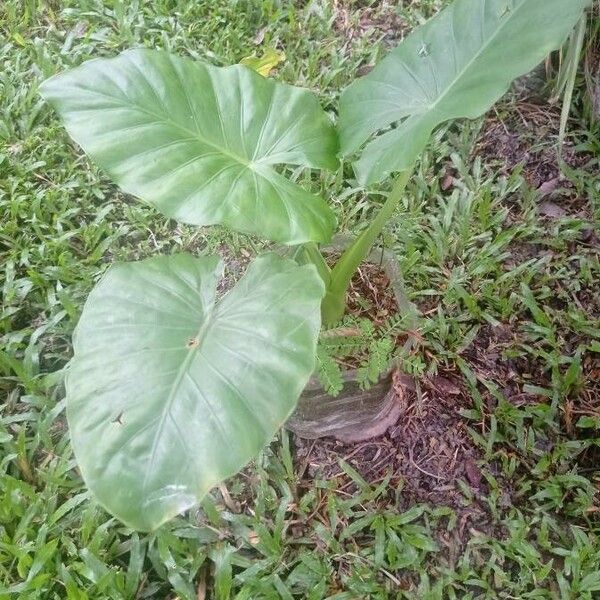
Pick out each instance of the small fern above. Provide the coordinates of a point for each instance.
(376, 363)
(329, 373)
(356, 343)
(347, 339)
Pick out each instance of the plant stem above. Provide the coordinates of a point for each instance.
(570, 66)
(334, 303)
(317, 259)
(309, 254)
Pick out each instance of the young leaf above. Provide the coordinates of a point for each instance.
(270, 59)
(171, 391)
(455, 65)
(200, 143)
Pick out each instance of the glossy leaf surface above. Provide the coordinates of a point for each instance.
(200, 142)
(456, 65)
(170, 391)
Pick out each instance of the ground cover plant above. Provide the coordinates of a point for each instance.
(499, 255)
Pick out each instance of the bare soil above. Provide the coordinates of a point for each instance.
(527, 138)
(381, 22)
(370, 296)
(427, 456)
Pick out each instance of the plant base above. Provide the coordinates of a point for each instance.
(354, 415)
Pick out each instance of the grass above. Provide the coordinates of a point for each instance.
(478, 259)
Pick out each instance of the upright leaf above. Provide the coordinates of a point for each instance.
(170, 390)
(201, 142)
(455, 65)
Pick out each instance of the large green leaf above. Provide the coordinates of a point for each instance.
(200, 142)
(170, 390)
(456, 65)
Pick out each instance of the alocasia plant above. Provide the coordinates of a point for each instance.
(172, 389)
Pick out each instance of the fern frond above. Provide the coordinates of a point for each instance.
(329, 373)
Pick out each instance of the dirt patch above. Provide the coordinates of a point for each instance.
(514, 140)
(381, 22)
(485, 357)
(592, 76)
(510, 141)
(236, 264)
(370, 295)
(428, 456)
(516, 377)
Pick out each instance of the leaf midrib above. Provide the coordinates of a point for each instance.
(181, 373)
(160, 118)
(434, 106)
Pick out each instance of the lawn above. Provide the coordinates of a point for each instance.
(488, 486)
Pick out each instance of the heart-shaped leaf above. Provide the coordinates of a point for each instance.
(455, 65)
(200, 143)
(171, 391)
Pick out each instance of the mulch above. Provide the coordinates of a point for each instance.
(381, 21)
(370, 296)
(428, 456)
(527, 138)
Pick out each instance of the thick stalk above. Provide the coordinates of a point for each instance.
(309, 254)
(334, 303)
